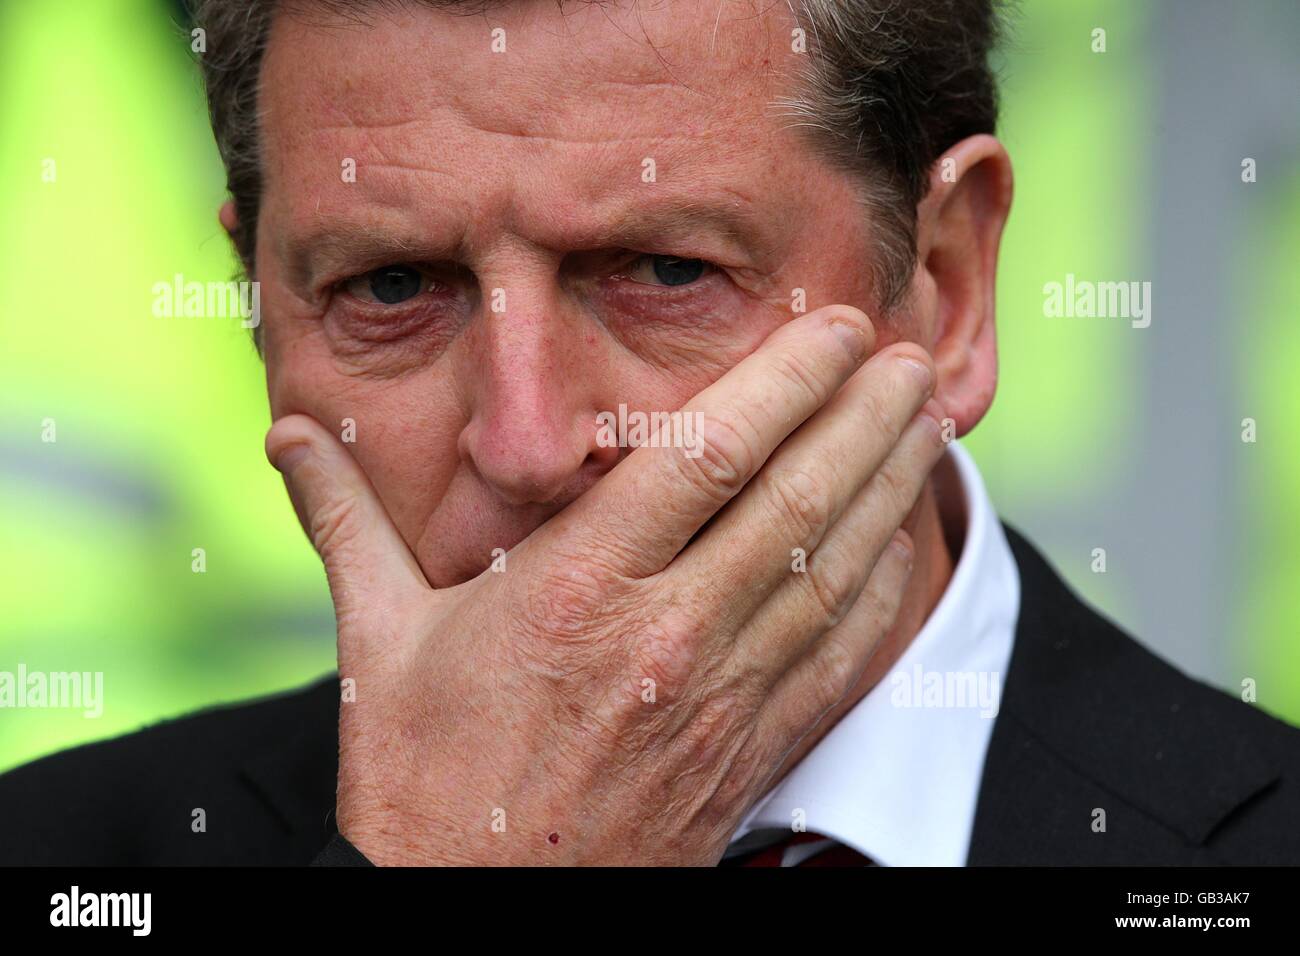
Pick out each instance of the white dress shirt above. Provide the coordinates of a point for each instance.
(898, 777)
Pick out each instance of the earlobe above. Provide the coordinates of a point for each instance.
(959, 229)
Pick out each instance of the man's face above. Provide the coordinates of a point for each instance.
(525, 211)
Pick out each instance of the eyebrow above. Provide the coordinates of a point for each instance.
(340, 245)
(347, 246)
(732, 220)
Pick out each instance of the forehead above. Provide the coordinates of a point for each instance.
(528, 108)
(532, 68)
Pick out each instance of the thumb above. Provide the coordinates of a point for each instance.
(364, 555)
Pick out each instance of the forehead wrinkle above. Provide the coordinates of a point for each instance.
(387, 138)
(391, 113)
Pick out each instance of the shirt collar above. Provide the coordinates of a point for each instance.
(898, 777)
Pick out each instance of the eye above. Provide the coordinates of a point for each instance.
(667, 270)
(388, 285)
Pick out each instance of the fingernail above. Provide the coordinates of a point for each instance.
(289, 457)
(852, 338)
(927, 418)
(922, 372)
(901, 548)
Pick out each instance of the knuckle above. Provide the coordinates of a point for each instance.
(802, 502)
(738, 778)
(881, 600)
(712, 736)
(832, 670)
(834, 587)
(796, 372)
(657, 664)
(333, 525)
(666, 653)
(893, 486)
(565, 602)
(880, 414)
(728, 454)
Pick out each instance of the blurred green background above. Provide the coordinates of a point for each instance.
(1128, 167)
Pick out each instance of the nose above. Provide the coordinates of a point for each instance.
(532, 434)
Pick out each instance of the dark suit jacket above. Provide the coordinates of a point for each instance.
(1089, 720)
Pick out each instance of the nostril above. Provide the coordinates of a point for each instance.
(603, 457)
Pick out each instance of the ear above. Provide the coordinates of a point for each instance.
(229, 218)
(959, 228)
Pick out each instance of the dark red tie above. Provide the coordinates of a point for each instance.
(820, 851)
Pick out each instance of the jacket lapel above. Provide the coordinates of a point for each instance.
(1102, 753)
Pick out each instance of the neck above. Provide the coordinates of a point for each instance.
(937, 525)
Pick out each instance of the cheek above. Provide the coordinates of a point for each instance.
(402, 433)
(669, 370)
(407, 445)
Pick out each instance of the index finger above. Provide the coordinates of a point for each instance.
(645, 511)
